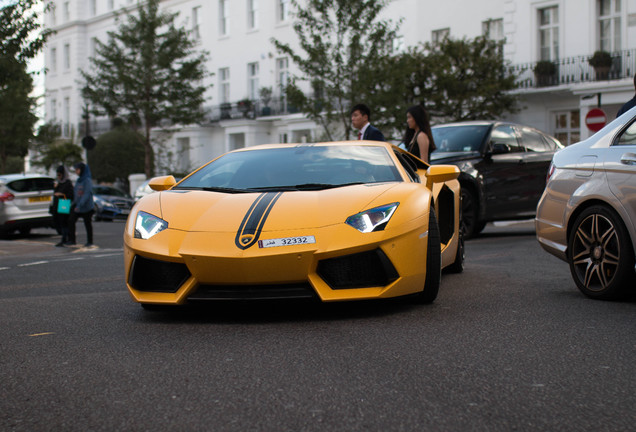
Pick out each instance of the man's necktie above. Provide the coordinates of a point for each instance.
(359, 135)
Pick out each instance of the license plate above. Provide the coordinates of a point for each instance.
(39, 198)
(288, 241)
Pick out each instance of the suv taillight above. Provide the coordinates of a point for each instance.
(6, 196)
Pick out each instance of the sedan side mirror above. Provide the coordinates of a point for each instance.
(499, 148)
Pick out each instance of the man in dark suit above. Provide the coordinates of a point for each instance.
(629, 104)
(360, 116)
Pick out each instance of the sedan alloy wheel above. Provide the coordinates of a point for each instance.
(600, 256)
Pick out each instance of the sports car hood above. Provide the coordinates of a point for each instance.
(204, 211)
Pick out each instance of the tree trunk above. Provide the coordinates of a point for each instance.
(149, 154)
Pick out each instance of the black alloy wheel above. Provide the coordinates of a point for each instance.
(600, 254)
(470, 223)
(433, 263)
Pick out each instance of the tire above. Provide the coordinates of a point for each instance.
(600, 254)
(469, 219)
(433, 263)
(458, 265)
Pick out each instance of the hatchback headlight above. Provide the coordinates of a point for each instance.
(372, 220)
(147, 225)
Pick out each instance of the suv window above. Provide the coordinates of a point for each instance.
(31, 184)
(533, 141)
(503, 139)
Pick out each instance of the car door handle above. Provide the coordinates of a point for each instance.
(628, 159)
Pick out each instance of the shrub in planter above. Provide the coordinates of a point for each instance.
(544, 72)
(601, 61)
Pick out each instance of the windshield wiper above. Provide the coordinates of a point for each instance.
(213, 189)
(303, 187)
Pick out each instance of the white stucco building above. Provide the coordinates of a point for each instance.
(238, 34)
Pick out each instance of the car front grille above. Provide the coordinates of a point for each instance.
(157, 276)
(253, 292)
(122, 204)
(361, 270)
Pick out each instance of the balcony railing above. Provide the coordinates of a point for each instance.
(250, 109)
(576, 69)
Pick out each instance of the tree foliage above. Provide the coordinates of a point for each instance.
(51, 150)
(20, 40)
(338, 40)
(118, 154)
(16, 111)
(467, 79)
(147, 72)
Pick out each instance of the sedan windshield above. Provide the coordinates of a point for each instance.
(304, 167)
(460, 138)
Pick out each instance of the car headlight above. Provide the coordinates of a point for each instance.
(147, 225)
(372, 220)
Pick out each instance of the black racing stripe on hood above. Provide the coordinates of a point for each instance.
(254, 219)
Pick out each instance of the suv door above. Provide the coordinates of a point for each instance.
(503, 180)
(535, 165)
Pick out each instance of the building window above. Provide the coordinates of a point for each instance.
(196, 18)
(53, 61)
(283, 10)
(53, 114)
(224, 87)
(252, 14)
(282, 78)
(236, 141)
(66, 127)
(53, 15)
(549, 33)
(252, 76)
(399, 46)
(438, 36)
(183, 154)
(93, 47)
(567, 126)
(93, 7)
(66, 11)
(224, 17)
(111, 4)
(493, 29)
(67, 57)
(609, 25)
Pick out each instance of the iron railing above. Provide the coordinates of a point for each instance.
(576, 70)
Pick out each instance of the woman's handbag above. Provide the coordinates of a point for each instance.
(64, 206)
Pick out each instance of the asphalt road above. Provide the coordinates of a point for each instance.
(509, 345)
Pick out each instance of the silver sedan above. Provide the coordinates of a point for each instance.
(587, 213)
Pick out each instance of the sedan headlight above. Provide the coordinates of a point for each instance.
(147, 225)
(372, 220)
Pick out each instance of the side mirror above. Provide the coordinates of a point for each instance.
(499, 148)
(440, 174)
(162, 183)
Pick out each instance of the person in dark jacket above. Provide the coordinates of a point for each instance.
(63, 190)
(360, 117)
(82, 205)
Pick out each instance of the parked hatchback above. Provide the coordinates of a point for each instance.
(503, 168)
(24, 202)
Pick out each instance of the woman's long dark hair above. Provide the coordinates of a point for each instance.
(420, 116)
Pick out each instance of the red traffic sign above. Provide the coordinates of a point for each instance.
(595, 119)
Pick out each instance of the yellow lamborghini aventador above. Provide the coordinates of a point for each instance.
(331, 221)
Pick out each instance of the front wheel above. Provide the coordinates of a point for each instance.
(600, 254)
(433, 263)
(470, 223)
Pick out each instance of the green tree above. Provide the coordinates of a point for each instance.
(147, 72)
(16, 111)
(51, 150)
(20, 40)
(338, 41)
(118, 153)
(466, 79)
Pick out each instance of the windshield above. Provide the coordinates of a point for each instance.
(304, 167)
(105, 190)
(464, 138)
